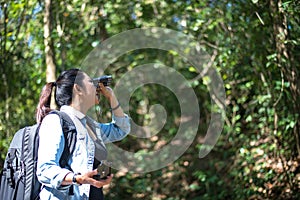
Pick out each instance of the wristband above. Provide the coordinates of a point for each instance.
(74, 180)
(115, 108)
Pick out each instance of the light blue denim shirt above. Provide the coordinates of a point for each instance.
(51, 146)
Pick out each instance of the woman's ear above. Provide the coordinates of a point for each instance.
(77, 89)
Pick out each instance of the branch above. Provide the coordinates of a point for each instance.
(22, 19)
(209, 65)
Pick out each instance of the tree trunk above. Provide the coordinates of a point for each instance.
(285, 62)
(103, 34)
(49, 50)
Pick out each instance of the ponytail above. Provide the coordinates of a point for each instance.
(43, 107)
(63, 92)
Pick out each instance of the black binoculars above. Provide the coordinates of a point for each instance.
(104, 170)
(106, 80)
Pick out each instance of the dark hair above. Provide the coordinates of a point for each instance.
(62, 94)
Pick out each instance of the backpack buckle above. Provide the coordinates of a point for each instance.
(10, 175)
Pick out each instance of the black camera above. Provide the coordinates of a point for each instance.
(104, 170)
(106, 80)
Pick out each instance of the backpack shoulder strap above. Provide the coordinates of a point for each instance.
(69, 131)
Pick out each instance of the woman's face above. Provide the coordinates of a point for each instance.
(89, 91)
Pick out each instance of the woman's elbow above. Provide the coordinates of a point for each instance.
(127, 129)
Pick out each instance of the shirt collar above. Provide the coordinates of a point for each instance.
(72, 111)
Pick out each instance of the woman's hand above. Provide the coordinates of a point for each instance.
(110, 96)
(87, 178)
(106, 91)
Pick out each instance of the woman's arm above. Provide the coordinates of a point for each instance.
(113, 101)
(116, 130)
(86, 178)
(51, 145)
(120, 125)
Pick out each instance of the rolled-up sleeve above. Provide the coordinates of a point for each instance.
(51, 146)
(116, 130)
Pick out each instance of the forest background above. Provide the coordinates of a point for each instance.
(254, 45)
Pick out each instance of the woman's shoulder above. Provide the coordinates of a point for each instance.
(51, 128)
(51, 117)
(50, 121)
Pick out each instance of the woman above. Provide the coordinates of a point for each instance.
(74, 94)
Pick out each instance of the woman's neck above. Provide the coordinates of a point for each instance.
(80, 107)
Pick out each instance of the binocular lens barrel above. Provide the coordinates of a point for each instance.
(106, 80)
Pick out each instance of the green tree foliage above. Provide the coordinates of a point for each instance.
(21, 71)
(253, 44)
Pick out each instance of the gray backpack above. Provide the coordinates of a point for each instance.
(18, 176)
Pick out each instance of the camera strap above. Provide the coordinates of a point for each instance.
(91, 133)
(100, 149)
